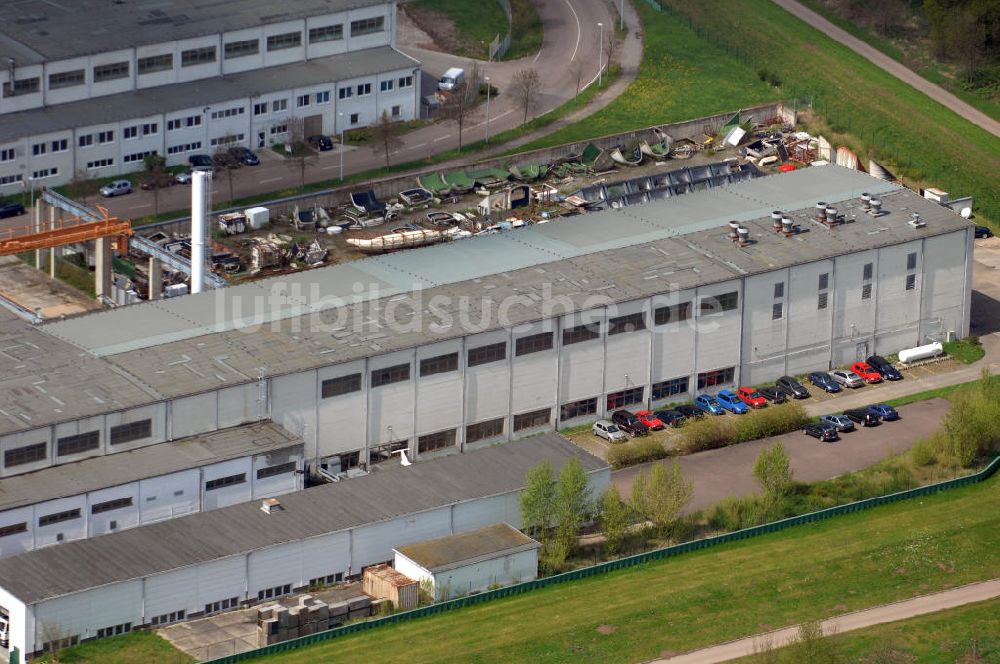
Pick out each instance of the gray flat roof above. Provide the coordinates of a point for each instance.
(335, 314)
(385, 494)
(196, 94)
(33, 31)
(444, 553)
(110, 470)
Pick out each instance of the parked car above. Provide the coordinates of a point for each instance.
(707, 404)
(841, 422)
(201, 162)
(320, 142)
(10, 210)
(885, 412)
(629, 423)
(884, 367)
(244, 155)
(983, 232)
(866, 372)
(183, 177)
(751, 397)
(773, 394)
(731, 402)
(608, 431)
(116, 188)
(821, 431)
(672, 418)
(847, 378)
(862, 416)
(792, 387)
(824, 381)
(690, 411)
(650, 420)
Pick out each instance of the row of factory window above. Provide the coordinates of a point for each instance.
(365, 89)
(191, 57)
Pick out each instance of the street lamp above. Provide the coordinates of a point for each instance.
(621, 16)
(340, 123)
(600, 59)
(487, 109)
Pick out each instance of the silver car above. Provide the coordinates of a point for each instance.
(116, 188)
(608, 431)
(842, 422)
(847, 378)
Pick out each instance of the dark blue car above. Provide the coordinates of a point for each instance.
(824, 381)
(884, 411)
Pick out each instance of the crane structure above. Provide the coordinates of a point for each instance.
(61, 232)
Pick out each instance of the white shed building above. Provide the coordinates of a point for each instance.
(470, 562)
(239, 555)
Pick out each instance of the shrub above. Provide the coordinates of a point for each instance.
(922, 452)
(710, 432)
(636, 451)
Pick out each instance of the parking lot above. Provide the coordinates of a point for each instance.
(728, 471)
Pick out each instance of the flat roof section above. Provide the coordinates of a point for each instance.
(387, 493)
(35, 290)
(445, 553)
(111, 470)
(34, 31)
(203, 92)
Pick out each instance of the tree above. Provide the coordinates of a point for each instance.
(667, 493)
(538, 500)
(773, 471)
(459, 104)
(156, 177)
(225, 162)
(385, 137)
(577, 71)
(612, 46)
(82, 186)
(298, 153)
(573, 503)
(525, 87)
(615, 517)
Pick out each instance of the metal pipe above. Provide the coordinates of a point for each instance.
(199, 187)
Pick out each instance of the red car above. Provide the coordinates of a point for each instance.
(751, 397)
(867, 372)
(650, 420)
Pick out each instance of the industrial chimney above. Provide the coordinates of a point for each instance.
(199, 207)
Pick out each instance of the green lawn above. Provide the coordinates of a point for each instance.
(134, 648)
(803, 573)
(475, 24)
(964, 350)
(946, 636)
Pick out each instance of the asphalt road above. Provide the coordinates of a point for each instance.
(909, 608)
(571, 39)
(883, 61)
(728, 471)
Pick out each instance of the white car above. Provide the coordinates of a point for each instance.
(608, 431)
(847, 378)
(183, 177)
(116, 188)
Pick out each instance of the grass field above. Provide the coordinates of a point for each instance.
(699, 59)
(475, 24)
(674, 605)
(965, 351)
(945, 636)
(134, 648)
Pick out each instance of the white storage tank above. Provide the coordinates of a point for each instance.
(920, 353)
(258, 217)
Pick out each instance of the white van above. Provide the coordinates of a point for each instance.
(452, 78)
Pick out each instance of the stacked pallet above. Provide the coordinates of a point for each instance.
(277, 623)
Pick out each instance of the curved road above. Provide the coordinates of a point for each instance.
(903, 73)
(571, 39)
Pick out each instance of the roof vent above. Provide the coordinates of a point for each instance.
(821, 212)
(776, 220)
(876, 207)
(743, 234)
(270, 505)
(733, 227)
(866, 201)
(786, 227)
(916, 221)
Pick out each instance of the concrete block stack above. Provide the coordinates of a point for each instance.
(277, 623)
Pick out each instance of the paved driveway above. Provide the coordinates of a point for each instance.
(728, 471)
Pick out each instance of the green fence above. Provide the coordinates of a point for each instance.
(621, 563)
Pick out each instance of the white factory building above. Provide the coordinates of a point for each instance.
(240, 555)
(89, 87)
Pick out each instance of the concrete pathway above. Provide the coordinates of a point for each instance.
(910, 608)
(900, 71)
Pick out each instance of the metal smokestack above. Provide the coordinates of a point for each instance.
(199, 206)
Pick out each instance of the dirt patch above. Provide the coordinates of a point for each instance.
(840, 608)
(606, 629)
(439, 27)
(667, 654)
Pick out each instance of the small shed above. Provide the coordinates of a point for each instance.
(470, 562)
(383, 582)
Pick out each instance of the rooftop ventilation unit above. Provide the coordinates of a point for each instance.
(776, 220)
(743, 235)
(866, 201)
(916, 221)
(270, 505)
(876, 210)
(786, 227)
(733, 231)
